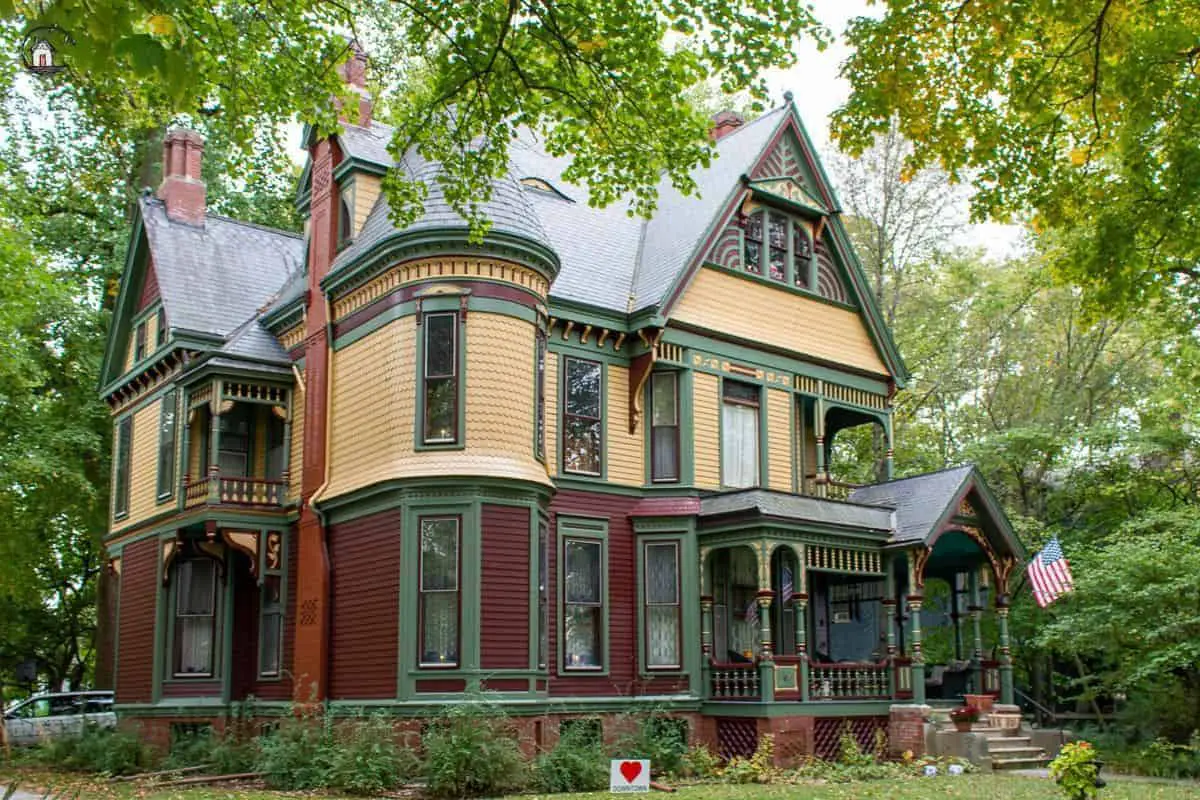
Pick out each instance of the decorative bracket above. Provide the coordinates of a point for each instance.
(245, 542)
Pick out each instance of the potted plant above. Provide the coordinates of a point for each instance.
(981, 701)
(963, 717)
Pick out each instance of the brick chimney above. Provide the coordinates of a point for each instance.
(725, 123)
(182, 188)
(354, 73)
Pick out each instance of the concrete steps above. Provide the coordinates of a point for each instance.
(1014, 752)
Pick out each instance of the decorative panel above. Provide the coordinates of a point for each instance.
(829, 279)
(842, 559)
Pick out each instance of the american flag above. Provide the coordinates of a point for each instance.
(752, 612)
(787, 590)
(1050, 574)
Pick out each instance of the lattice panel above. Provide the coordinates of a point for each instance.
(736, 737)
(827, 735)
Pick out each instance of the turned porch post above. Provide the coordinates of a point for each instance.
(800, 605)
(976, 611)
(214, 445)
(916, 586)
(956, 616)
(888, 605)
(1006, 665)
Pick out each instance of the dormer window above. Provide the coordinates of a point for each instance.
(778, 246)
(345, 231)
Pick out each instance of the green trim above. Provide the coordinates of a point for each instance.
(683, 534)
(119, 328)
(794, 708)
(122, 456)
(358, 165)
(807, 294)
(442, 306)
(560, 431)
(227, 516)
(541, 352)
(395, 493)
(588, 352)
(487, 305)
(563, 309)
(583, 529)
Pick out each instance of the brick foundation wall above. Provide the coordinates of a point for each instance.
(906, 730)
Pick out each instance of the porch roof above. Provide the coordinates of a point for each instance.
(798, 508)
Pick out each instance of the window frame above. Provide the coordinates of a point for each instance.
(793, 278)
(758, 405)
(168, 404)
(266, 609)
(215, 661)
(345, 216)
(457, 380)
(542, 565)
(590, 531)
(139, 342)
(564, 417)
(421, 664)
(678, 444)
(646, 605)
(160, 327)
(122, 461)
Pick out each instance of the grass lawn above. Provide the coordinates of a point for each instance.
(969, 787)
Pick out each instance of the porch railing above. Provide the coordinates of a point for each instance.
(735, 681)
(903, 667)
(830, 488)
(235, 491)
(857, 681)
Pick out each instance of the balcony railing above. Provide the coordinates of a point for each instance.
(234, 491)
(857, 681)
(830, 488)
(735, 681)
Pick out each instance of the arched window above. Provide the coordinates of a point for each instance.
(345, 224)
(778, 246)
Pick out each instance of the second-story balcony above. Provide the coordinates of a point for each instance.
(218, 490)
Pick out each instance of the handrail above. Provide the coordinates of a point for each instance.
(1046, 713)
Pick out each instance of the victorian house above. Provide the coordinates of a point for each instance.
(582, 466)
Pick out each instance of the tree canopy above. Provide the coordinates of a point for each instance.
(1080, 118)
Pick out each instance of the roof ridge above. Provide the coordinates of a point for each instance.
(223, 218)
(969, 466)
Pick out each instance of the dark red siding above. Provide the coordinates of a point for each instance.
(191, 688)
(135, 625)
(504, 633)
(364, 557)
(622, 594)
(149, 289)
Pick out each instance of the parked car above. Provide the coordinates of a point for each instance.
(51, 716)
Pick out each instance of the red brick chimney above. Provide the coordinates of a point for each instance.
(182, 188)
(725, 123)
(354, 73)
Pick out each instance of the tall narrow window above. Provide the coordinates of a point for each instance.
(439, 592)
(582, 417)
(543, 593)
(539, 400)
(121, 460)
(276, 448)
(753, 238)
(440, 425)
(662, 619)
(583, 604)
(139, 346)
(233, 454)
(664, 426)
(166, 446)
(739, 435)
(801, 255)
(160, 328)
(195, 617)
(345, 230)
(270, 632)
(777, 232)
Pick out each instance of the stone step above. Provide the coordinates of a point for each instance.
(1020, 763)
(1016, 752)
(1009, 741)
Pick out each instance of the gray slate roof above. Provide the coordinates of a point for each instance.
(919, 501)
(215, 277)
(790, 506)
(367, 144)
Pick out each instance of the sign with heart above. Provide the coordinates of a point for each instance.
(629, 775)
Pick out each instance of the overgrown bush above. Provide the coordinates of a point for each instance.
(577, 763)
(759, 768)
(700, 762)
(1159, 758)
(655, 736)
(221, 753)
(471, 750)
(294, 755)
(99, 750)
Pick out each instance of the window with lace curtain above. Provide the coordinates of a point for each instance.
(439, 596)
(664, 427)
(195, 617)
(739, 434)
(661, 612)
(583, 604)
(582, 416)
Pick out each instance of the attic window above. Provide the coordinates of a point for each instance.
(539, 184)
(160, 328)
(778, 246)
(345, 230)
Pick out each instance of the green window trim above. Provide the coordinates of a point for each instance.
(345, 218)
(652, 604)
(598, 419)
(666, 434)
(540, 349)
(272, 603)
(160, 327)
(139, 346)
(451, 377)
(585, 534)
(168, 437)
(427, 594)
(799, 253)
(174, 653)
(121, 463)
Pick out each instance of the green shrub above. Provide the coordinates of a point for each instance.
(1158, 759)
(294, 755)
(759, 768)
(1075, 771)
(700, 762)
(578, 762)
(98, 750)
(471, 750)
(658, 737)
(221, 753)
(366, 758)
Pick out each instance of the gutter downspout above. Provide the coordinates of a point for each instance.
(320, 490)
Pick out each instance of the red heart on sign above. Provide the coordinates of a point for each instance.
(630, 770)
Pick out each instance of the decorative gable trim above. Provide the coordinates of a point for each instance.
(137, 255)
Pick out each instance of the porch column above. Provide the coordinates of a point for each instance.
(214, 447)
(766, 661)
(1006, 665)
(918, 658)
(185, 457)
(889, 463)
(888, 607)
(822, 476)
(956, 616)
(976, 612)
(706, 642)
(800, 607)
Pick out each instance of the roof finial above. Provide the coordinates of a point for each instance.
(787, 96)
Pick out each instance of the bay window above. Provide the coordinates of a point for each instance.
(661, 617)
(583, 406)
(439, 597)
(440, 379)
(664, 426)
(583, 604)
(195, 617)
(739, 435)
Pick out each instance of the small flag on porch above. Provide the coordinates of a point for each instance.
(787, 589)
(1050, 574)
(752, 612)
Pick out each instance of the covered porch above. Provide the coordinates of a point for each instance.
(814, 601)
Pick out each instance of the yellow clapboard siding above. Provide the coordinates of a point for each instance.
(296, 454)
(779, 440)
(757, 312)
(374, 401)
(706, 410)
(552, 413)
(366, 192)
(143, 464)
(626, 453)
